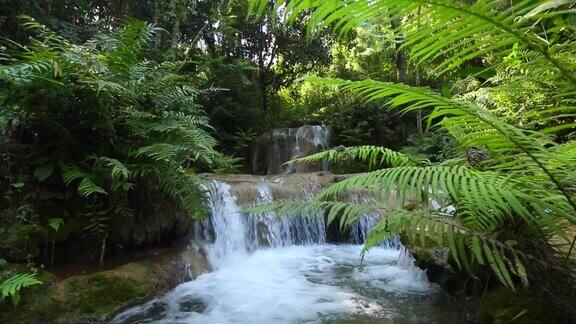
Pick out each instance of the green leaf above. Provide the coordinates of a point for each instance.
(550, 4)
(18, 185)
(56, 223)
(44, 172)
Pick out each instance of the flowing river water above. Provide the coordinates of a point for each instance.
(270, 269)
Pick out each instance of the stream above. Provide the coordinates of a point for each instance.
(294, 276)
(272, 269)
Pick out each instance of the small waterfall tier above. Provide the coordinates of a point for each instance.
(272, 150)
(231, 236)
(230, 193)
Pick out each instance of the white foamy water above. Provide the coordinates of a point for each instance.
(288, 274)
(297, 284)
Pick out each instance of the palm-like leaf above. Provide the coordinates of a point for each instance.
(373, 156)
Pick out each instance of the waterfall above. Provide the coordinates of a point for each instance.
(273, 269)
(230, 236)
(234, 236)
(232, 242)
(282, 231)
(274, 149)
(359, 230)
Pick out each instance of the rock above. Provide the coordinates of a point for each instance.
(284, 187)
(502, 306)
(92, 297)
(96, 296)
(193, 305)
(435, 261)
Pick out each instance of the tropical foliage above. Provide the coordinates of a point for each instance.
(86, 126)
(509, 205)
(107, 120)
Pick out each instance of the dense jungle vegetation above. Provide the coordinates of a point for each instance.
(111, 109)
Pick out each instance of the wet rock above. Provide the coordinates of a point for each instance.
(438, 268)
(194, 263)
(153, 313)
(296, 186)
(193, 305)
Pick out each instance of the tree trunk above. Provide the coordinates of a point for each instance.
(419, 111)
(262, 82)
(102, 251)
(158, 36)
(48, 8)
(176, 32)
(400, 65)
(400, 61)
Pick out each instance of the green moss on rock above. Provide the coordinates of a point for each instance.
(97, 295)
(502, 306)
(80, 298)
(94, 297)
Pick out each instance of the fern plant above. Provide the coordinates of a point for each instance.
(12, 286)
(515, 211)
(101, 122)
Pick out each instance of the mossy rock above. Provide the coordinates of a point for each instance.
(95, 297)
(502, 306)
(81, 298)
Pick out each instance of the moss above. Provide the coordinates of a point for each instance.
(78, 299)
(98, 295)
(93, 297)
(502, 306)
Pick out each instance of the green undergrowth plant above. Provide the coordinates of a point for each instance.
(508, 197)
(13, 282)
(86, 127)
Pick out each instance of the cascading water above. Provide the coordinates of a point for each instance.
(270, 269)
(274, 149)
(282, 231)
(232, 242)
(359, 231)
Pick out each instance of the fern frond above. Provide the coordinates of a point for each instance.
(89, 183)
(491, 194)
(373, 156)
(160, 151)
(466, 248)
(184, 187)
(11, 287)
(518, 152)
(459, 33)
(118, 170)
